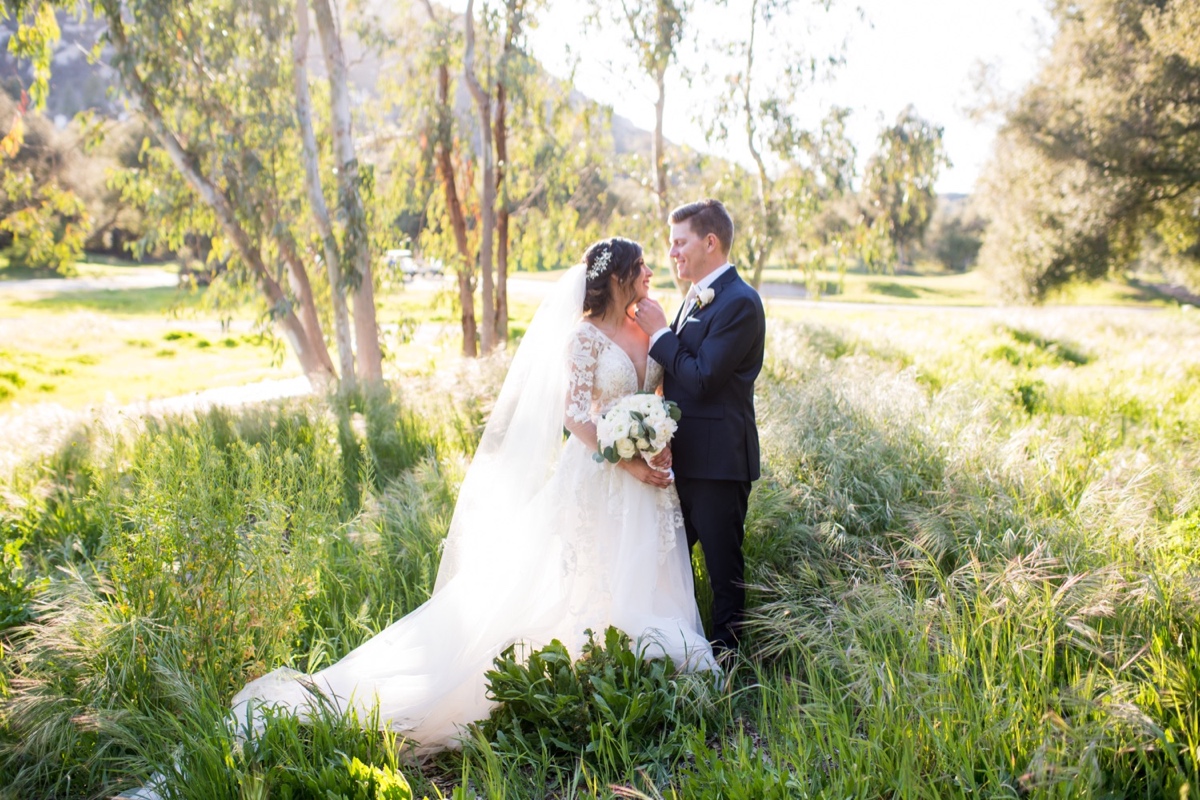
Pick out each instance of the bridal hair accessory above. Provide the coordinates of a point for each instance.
(599, 264)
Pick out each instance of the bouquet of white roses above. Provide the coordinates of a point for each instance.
(638, 423)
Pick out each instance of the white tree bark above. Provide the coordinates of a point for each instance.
(316, 198)
(355, 245)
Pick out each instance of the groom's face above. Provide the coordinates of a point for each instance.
(690, 252)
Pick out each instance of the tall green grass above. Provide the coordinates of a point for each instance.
(973, 561)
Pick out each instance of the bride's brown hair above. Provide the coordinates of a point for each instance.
(615, 256)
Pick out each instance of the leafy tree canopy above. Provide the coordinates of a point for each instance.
(1099, 160)
(900, 177)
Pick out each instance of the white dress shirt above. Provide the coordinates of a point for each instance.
(689, 301)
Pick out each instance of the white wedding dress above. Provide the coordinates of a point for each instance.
(545, 543)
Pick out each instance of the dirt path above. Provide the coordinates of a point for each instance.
(35, 430)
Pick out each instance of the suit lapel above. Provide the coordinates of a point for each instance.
(729, 276)
(678, 316)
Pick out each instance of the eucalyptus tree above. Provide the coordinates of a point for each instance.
(316, 197)
(1100, 157)
(900, 177)
(439, 56)
(504, 31)
(767, 67)
(513, 70)
(563, 199)
(487, 158)
(654, 31)
(214, 83)
(355, 244)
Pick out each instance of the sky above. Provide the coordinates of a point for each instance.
(922, 52)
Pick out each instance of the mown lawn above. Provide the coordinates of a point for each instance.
(974, 557)
(932, 286)
(78, 349)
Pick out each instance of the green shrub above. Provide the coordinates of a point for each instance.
(612, 709)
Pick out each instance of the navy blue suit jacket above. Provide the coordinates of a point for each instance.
(709, 370)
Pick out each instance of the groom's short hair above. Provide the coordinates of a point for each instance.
(707, 216)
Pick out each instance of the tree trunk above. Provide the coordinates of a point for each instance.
(660, 166)
(318, 374)
(301, 288)
(316, 199)
(458, 222)
(501, 215)
(355, 243)
(765, 207)
(487, 212)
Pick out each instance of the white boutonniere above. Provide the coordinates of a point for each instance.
(702, 299)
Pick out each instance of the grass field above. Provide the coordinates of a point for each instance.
(935, 287)
(94, 266)
(974, 556)
(120, 346)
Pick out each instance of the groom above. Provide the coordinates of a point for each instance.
(711, 355)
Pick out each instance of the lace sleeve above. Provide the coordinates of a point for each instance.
(582, 354)
(654, 376)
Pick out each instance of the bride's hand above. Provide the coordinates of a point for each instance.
(645, 473)
(663, 459)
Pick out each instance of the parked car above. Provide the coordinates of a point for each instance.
(411, 267)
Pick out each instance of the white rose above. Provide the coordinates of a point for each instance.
(643, 444)
(705, 296)
(626, 449)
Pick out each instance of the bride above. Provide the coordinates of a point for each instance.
(545, 542)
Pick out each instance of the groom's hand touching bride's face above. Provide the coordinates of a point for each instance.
(650, 316)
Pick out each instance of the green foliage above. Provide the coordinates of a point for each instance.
(35, 41)
(17, 589)
(49, 225)
(900, 178)
(380, 567)
(737, 769)
(955, 234)
(966, 618)
(379, 439)
(612, 708)
(814, 166)
(332, 757)
(188, 548)
(43, 220)
(1098, 162)
(971, 564)
(53, 518)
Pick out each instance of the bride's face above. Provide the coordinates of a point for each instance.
(641, 285)
(638, 289)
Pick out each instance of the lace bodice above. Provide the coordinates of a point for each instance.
(601, 373)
